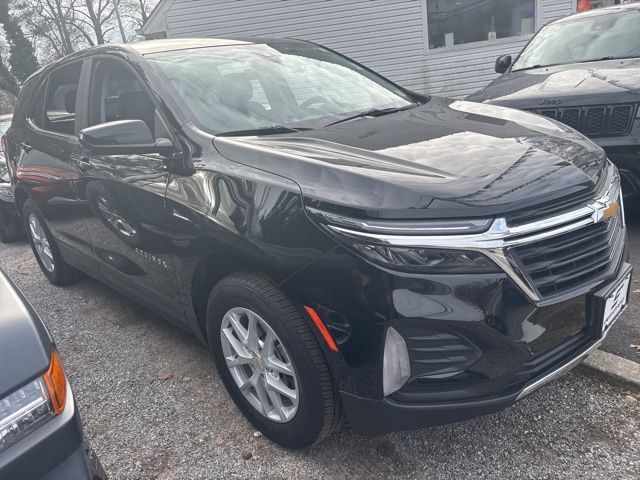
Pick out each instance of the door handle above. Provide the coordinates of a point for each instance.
(26, 147)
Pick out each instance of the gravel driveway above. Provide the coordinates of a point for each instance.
(153, 407)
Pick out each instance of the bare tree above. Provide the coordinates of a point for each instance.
(50, 24)
(93, 20)
(136, 13)
(59, 27)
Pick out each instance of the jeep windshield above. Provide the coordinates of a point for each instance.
(273, 88)
(593, 37)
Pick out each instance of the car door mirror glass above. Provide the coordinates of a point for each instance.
(124, 137)
(503, 63)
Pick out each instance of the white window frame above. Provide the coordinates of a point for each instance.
(481, 43)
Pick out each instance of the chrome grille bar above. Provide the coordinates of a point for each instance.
(497, 240)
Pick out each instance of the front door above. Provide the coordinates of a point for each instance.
(126, 195)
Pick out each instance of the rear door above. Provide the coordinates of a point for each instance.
(45, 143)
(126, 194)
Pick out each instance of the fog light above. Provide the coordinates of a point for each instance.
(395, 365)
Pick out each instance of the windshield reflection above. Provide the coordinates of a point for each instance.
(249, 87)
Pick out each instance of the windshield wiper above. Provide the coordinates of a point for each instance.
(374, 112)
(610, 57)
(272, 130)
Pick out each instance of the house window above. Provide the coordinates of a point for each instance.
(586, 5)
(457, 22)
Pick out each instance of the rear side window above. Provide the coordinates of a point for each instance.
(55, 108)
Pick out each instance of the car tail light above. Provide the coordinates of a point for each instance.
(31, 405)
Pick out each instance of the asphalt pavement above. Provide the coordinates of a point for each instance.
(154, 408)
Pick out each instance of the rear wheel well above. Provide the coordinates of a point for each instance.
(208, 273)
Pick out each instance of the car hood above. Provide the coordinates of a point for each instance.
(443, 159)
(593, 83)
(25, 343)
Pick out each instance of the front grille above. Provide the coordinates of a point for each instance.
(594, 121)
(551, 208)
(561, 263)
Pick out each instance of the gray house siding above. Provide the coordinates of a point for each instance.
(388, 36)
(385, 35)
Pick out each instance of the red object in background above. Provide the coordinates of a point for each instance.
(584, 6)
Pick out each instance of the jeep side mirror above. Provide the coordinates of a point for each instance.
(503, 63)
(124, 137)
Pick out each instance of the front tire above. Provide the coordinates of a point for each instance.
(270, 361)
(44, 247)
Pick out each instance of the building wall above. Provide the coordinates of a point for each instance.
(388, 36)
(385, 35)
(460, 70)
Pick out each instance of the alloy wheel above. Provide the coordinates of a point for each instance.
(259, 364)
(41, 243)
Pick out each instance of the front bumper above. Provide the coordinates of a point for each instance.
(376, 417)
(54, 451)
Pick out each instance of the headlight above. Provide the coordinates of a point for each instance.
(361, 236)
(426, 260)
(33, 404)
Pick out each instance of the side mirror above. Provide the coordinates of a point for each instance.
(503, 63)
(124, 137)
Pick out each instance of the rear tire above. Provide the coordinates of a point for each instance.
(318, 411)
(44, 247)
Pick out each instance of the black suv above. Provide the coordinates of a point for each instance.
(583, 70)
(343, 246)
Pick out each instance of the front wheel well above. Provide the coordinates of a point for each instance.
(209, 272)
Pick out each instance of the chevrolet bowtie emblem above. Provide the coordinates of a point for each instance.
(611, 210)
(608, 210)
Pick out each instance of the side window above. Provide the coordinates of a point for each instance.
(37, 112)
(116, 94)
(60, 101)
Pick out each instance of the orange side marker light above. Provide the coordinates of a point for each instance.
(56, 383)
(322, 328)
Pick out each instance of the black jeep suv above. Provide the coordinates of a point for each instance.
(343, 246)
(583, 70)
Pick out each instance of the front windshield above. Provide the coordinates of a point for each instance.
(247, 87)
(592, 37)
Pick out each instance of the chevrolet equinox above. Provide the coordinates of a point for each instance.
(347, 249)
